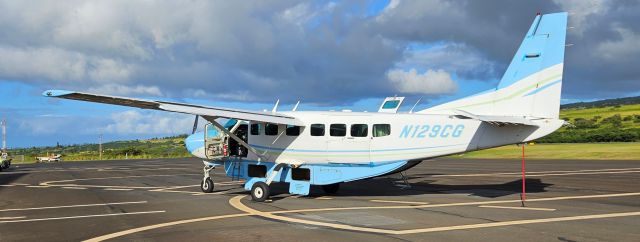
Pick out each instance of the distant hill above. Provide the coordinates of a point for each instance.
(610, 120)
(603, 103)
(167, 147)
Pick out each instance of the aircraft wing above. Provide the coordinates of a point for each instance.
(209, 113)
(497, 120)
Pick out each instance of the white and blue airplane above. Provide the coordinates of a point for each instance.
(304, 148)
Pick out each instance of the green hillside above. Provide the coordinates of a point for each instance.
(585, 151)
(168, 147)
(616, 123)
(603, 130)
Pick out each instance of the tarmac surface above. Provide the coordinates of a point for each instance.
(449, 199)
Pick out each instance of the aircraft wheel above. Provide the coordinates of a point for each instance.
(206, 185)
(259, 192)
(331, 188)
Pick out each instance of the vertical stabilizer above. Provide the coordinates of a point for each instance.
(531, 85)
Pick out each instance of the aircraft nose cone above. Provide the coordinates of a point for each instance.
(194, 142)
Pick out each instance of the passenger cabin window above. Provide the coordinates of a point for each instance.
(271, 129)
(255, 129)
(359, 130)
(317, 130)
(292, 130)
(380, 130)
(338, 130)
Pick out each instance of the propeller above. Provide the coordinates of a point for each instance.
(195, 124)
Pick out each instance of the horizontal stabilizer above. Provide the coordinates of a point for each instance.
(497, 120)
(208, 113)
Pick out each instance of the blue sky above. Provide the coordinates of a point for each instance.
(331, 55)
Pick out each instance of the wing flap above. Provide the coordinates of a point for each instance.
(497, 120)
(210, 113)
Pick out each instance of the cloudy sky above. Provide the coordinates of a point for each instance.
(247, 54)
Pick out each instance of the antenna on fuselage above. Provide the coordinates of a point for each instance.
(296, 106)
(414, 106)
(275, 107)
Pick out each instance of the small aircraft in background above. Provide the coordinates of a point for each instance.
(304, 148)
(49, 158)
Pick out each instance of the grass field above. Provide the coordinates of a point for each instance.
(591, 151)
(588, 113)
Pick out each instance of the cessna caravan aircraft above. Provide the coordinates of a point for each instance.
(304, 148)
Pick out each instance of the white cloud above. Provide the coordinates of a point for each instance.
(121, 90)
(430, 82)
(148, 123)
(580, 10)
(60, 66)
(461, 59)
(624, 48)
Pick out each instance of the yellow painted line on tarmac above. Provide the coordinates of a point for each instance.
(583, 173)
(81, 216)
(76, 188)
(9, 218)
(49, 183)
(323, 198)
(20, 184)
(518, 208)
(72, 206)
(118, 189)
(401, 202)
(38, 186)
(545, 173)
(236, 202)
(211, 193)
(103, 186)
(461, 204)
(162, 225)
(517, 222)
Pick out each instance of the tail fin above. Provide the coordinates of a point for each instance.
(532, 83)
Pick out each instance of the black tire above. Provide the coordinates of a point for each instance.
(206, 185)
(260, 192)
(331, 188)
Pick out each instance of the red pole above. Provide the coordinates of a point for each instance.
(524, 191)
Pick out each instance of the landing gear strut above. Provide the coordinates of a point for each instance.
(206, 185)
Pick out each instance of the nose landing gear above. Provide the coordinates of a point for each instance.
(206, 185)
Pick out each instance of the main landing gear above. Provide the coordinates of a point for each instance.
(259, 192)
(206, 185)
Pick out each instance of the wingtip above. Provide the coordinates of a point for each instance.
(55, 93)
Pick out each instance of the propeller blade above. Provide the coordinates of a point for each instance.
(195, 125)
